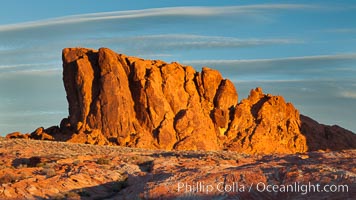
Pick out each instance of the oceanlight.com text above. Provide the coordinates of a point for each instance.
(235, 187)
(301, 188)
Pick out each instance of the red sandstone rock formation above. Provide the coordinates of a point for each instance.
(128, 101)
(15, 135)
(265, 123)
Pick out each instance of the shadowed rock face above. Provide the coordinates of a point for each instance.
(128, 101)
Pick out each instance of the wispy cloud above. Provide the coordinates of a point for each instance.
(158, 12)
(320, 67)
(36, 113)
(213, 39)
(176, 40)
(24, 65)
(154, 55)
(31, 67)
(32, 72)
(261, 81)
(189, 41)
(350, 56)
(341, 30)
(5, 48)
(348, 94)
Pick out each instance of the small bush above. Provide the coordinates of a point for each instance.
(8, 178)
(72, 196)
(58, 196)
(20, 163)
(35, 161)
(146, 166)
(83, 193)
(22, 166)
(49, 172)
(120, 184)
(47, 165)
(103, 161)
(76, 162)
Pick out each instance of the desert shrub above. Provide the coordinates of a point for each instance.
(22, 166)
(20, 162)
(146, 166)
(35, 161)
(47, 165)
(49, 172)
(120, 184)
(41, 165)
(8, 178)
(58, 196)
(76, 162)
(24, 175)
(83, 193)
(103, 161)
(72, 196)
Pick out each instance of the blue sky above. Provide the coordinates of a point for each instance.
(302, 50)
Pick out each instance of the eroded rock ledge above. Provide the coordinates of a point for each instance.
(120, 100)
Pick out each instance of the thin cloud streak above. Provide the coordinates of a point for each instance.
(276, 81)
(341, 30)
(24, 65)
(36, 113)
(204, 37)
(158, 12)
(28, 68)
(177, 41)
(351, 56)
(154, 55)
(35, 72)
(348, 94)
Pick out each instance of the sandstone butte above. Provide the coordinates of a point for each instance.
(116, 99)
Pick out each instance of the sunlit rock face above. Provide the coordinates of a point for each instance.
(121, 100)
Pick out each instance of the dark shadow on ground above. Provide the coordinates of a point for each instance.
(103, 191)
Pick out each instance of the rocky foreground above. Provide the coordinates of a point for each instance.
(32, 169)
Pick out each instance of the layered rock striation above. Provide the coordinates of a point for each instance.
(127, 101)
